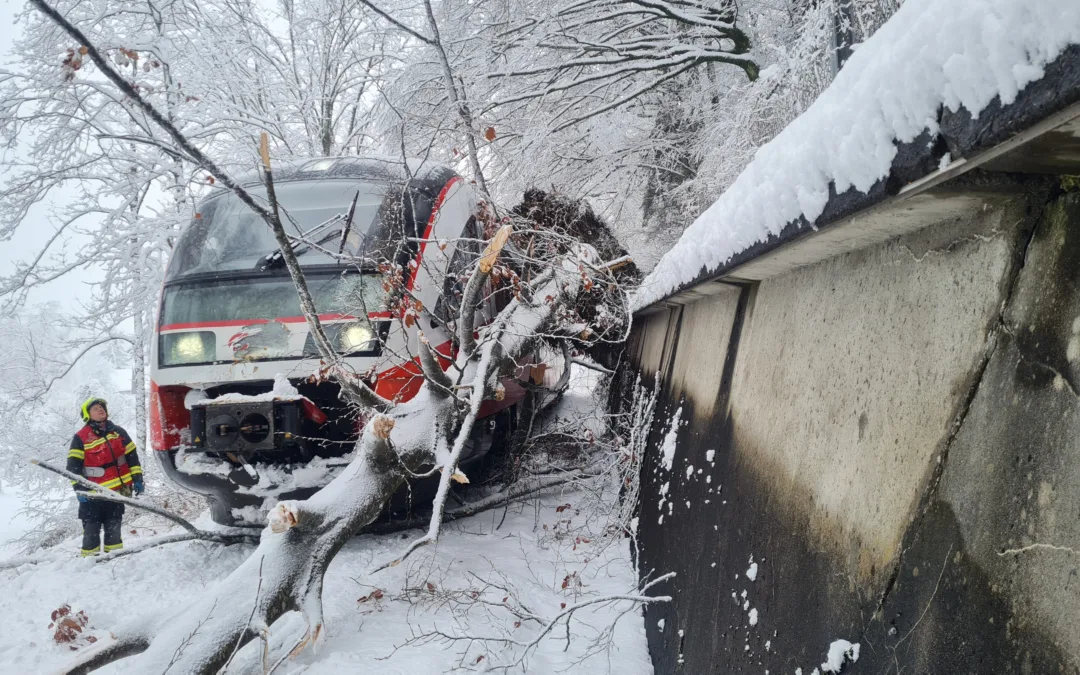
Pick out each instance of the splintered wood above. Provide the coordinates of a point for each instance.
(494, 247)
(381, 426)
(284, 516)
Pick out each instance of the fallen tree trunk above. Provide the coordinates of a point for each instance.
(293, 555)
(304, 536)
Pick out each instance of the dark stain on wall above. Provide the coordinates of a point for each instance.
(944, 615)
(1041, 322)
(941, 612)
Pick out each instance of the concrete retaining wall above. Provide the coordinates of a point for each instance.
(894, 437)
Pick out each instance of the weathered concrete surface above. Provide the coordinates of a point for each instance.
(1013, 475)
(651, 341)
(696, 373)
(885, 425)
(851, 372)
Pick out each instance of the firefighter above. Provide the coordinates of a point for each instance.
(104, 454)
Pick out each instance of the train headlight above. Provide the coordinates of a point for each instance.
(186, 348)
(356, 337)
(348, 338)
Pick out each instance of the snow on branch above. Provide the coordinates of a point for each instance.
(581, 52)
(304, 536)
(891, 90)
(352, 386)
(286, 571)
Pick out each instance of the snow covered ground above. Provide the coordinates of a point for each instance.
(545, 555)
(534, 552)
(12, 524)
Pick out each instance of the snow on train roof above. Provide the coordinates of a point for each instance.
(957, 54)
(372, 167)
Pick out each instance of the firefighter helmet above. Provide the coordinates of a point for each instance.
(85, 410)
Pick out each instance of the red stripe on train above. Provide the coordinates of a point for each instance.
(427, 230)
(252, 322)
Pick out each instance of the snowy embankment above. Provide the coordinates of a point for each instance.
(12, 523)
(545, 555)
(957, 54)
(533, 552)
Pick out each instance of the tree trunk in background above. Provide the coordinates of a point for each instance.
(666, 213)
(844, 20)
(138, 378)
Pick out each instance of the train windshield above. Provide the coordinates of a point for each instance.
(227, 236)
(267, 299)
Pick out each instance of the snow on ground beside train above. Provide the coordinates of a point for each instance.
(531, 551)
(961, 53)
(13, 524)
(581, 404)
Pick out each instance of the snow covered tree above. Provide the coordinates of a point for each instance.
(590, 57)
(116, 196)
(548, 275)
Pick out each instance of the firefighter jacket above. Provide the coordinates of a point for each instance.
(105, 454)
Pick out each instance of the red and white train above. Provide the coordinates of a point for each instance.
(237, 411)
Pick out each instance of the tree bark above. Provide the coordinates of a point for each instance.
(138, 378)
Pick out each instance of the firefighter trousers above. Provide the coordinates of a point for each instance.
(97, 515)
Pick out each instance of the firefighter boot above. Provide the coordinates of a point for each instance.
(113, 540)
(91, 540)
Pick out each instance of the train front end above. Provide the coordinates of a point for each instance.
(240, 411)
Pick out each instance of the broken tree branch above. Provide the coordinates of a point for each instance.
(499, 345)
(143, 545)
(306, 535)
(546, 625)
(432, 369)
(470, 298)
(591, 365)
(353, 387)
(513, 494)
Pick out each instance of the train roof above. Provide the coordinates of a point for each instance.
(372, 167)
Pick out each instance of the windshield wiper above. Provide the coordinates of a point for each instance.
(317, 236)
(348, 223)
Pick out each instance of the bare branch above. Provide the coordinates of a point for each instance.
(440, 382)
(516, 493)
(591, 365)
(350, 385)
(401, 26)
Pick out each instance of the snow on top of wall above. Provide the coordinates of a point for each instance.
(960, 53)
